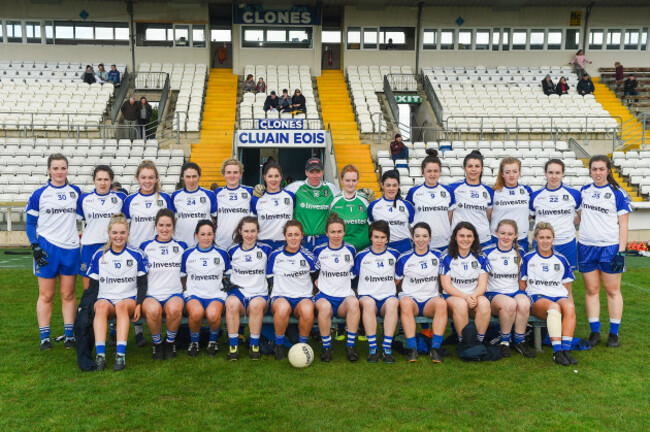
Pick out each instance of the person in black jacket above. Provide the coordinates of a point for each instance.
(144, 117)
(284, 101)
(89, 75)
(548, 86)
(271, 102)
(585, 86)
(298, 102)
(630, 85)
(562, 87)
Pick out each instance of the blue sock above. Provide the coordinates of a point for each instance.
(279, 339)
(557, 345)
(156, 338)
(410, 342)
(480, 336)
(112, 330)
(566, 343)
(594, 324)
(121, 347)
(171, 336)
(613, 325)
(351, 338)
(372, 343)
(100, 347)
(213, 335)
(67, 329)
(233, 339)
(45, 332)
(255, 340)
(302, 339)
(436, 342)
(505, 337)
(327, 341)
(387, 344)
(519, 338)
(194, 337)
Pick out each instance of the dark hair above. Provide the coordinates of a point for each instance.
(580, 51)
(236, 236)
(293, 223)
(423, 225)
(554, 161)
(204, 222)
(474, 154)
(392, 174)
(432, 157)
(270, 165)
(332, 219)
(608, 163)
(190, 165)
(381, 226)
(104, 168)
(475, 249)
(166, 213)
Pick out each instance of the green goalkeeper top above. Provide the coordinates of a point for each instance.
(354, 213)
(312, 205)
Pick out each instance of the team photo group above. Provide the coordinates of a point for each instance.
(452, 253)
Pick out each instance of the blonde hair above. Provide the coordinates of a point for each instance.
(543, 226)
(350, 168)
(117, 218)
(505, 161)
(148, 164)
(231, 161)
(513, 224)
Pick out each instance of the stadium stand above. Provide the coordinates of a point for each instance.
(634, 165)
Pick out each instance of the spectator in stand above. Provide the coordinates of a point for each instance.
(397, 149)
(271, 102)
(284, 103)
(114, 75)
(89, 75)
(249, 84)
(619, 76)
(298, 102)
(585, 86)
(579, 61)
(130, 114)
(562, 87)
(144, 117)
(629, 89)
(102, 74)
(548, 86)
(261, 86)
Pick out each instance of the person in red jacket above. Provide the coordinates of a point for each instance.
(397, 149)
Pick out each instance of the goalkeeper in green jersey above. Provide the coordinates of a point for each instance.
(352, 206)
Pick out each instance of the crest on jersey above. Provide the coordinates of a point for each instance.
(73, 195)
(391, 261)
(129, 263)
(161, 203)
(244, 195)
(434, 261)
(522, 191)
(303, 263)
(217, 261)
(347, 258)
(84, 267)
(442, 194)
(326, 192)
(287, 201)
(360, 208)
(556, 267)
(608, 195)
(401, 208)
(175, 249)
(565, 197)
(485, 194)
(259, 254)
(474, 264)
(202, 200)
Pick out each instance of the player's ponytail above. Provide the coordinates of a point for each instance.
(392, 174)
(117, 218)
(515, 243)
(608, 163)
(505, 161)
(432, 157)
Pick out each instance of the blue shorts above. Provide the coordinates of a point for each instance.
(420, 304)
(378, 303)
(523, 243)
(245, 301)
(534, 297)
(274, 244)
(310, 242)
(334, 301)
(592, 258)
(491, 294)
(401, 245)
(204, 302)
(114, 302)
(164, 302)
(60, 261)
(87, 252)
(293, 301)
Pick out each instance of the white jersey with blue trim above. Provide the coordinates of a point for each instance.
(600, 209)
(464, 271)
(118, 273)
(399, 215)
(273, 211)
(432, 205)
(190, 208)
(419, 274)
(141, 212)
(249, 269)
(376, 273)
(336, 269)
(96, 210)
(291, 272)
(472, 204)
(546, 275)
(503, 276)
(56, 208)
(164, 279)
(557, 207)
(512, 203)
(204, 270)
(232, 206)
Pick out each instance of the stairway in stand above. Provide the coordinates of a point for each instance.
(337, 112)
(217, 127)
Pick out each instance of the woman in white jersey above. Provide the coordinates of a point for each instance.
(52, 232)
(233, 202)
(507, 301)
(375, 270)
(192, 204)
(511, 200)
(546, 276)
(292, 270)
(434, 203)
(248, 294)
(473, 198)
(335, 295)
(165, 293)
(558, 205)
(204, 266)
(395, 211)
(274, 208)
(96, 208)
(602, 240)
(118, 272)
(417, 276)
(463, 276)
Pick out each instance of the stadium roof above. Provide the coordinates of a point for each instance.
(496, 4)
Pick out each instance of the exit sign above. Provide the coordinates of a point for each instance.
(407, 99)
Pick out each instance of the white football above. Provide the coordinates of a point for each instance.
(301, 355)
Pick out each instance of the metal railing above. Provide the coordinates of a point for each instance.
(424, 133)
(433, 99)
(121, 92)
(579, 151)
(329, 158)
(163, 130)
(403, 82)
(149, 80)
(390, 98)
(164, 95)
